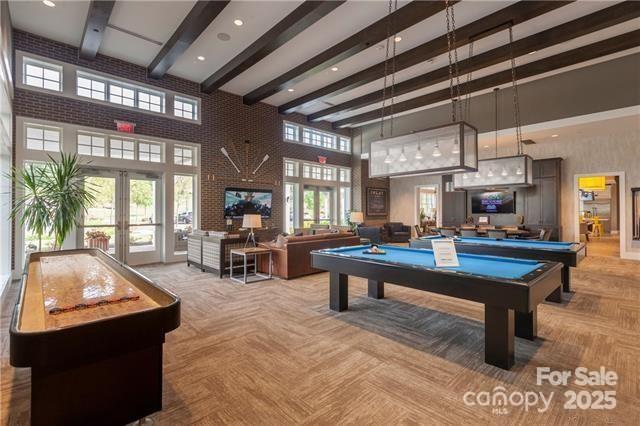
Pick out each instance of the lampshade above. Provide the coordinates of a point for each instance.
(440, 150)
(356, 217)
(251, 221)
(498, 172)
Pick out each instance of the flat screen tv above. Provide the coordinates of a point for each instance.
(241, 201)
(587, 196)
(493, 202)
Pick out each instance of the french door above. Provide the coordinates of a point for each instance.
(125, 216)
(319, 205)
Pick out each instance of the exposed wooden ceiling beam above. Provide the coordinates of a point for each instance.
(293, 24)
(196, 21)
(515, 14)
(596, 21)
(592, 51)
(401, 19)
(94, 25)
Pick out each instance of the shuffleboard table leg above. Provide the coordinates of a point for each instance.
(375, 289)
(556, 296)
(566, 278)
(498, 336)
(338, 291)
(526, 324)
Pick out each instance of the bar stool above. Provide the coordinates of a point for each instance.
(598, 227)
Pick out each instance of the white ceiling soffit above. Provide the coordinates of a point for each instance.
(155, 20)
(63, 23)
(257, 19)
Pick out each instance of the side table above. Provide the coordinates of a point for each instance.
(245, 253)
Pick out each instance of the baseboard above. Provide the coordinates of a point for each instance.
(631, 255)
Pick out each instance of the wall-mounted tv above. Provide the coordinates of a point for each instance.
(493, 202)
(241, 201)
(587, 196)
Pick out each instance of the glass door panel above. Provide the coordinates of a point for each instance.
(183, 202)
(325, 207)
(309, 209)
(143, 225)
(290, 207)
(100, 223)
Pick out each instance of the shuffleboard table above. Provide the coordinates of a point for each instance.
(510, 289)
(92, 331)
(569, 254)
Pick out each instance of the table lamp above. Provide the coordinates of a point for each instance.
(251, 221)
(356, 218)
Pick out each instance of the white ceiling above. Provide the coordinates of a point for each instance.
(157, 20)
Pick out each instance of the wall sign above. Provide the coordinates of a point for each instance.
(377, 201)
(125, 126)
(322, 160)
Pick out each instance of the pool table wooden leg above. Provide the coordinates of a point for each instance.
(376, 289)
(526, 324)
(566, 278)
(498, 336)
(338, 291)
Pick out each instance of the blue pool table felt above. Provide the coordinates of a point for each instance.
(533, 244)
(498, 267)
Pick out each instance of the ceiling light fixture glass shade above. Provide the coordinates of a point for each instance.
(402, 157)
(456, 147)
(509, 177)
(387, 159)
(439, 139)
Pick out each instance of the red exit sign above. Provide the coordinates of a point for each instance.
(125, 126)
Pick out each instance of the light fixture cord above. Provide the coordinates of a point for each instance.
(453, 60)
(516, 102)
(386, 71)
(495, 103)
(467, 105)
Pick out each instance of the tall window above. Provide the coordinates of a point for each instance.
(183, 202)
(122, 148)
(91, 144)
(41, 74)
(149, 151)
(43, 138)
(185, 108)
(310, 136)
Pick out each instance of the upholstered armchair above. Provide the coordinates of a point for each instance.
(397, 232)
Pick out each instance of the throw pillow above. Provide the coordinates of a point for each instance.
(281, 241)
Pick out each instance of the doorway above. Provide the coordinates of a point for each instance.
(125, 217)
(319, 205)
(426, 207)
(599, 214)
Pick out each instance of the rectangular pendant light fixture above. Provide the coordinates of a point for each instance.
(498, 172)
(451, 148)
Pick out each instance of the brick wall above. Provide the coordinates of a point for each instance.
(226, 121)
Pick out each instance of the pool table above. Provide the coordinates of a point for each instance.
(91, 329)
(569, 254)
(510, 289)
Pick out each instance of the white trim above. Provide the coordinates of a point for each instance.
(69, 74)
(300, 141)
(624, 254)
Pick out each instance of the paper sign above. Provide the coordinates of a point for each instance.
(444, 253)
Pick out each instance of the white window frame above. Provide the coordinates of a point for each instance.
(293, 166)
(93, 81)
(122, 149)
(46, 66)
(44, 139)
(180, 111)
(148, 155)
(310, 136)
(180, 155)
(91, 145)
(113, 86)
(150, 93)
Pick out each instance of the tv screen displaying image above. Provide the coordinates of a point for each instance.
(493, 202)
(240, 201)
(587, 196)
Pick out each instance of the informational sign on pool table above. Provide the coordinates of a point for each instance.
(444, 252)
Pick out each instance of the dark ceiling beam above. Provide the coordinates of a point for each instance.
(572, 57)
(196, 21)
(596, 21)
(94, 25)
(515, 14)
(293, 24)
(401, 19)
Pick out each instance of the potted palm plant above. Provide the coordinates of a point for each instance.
(50, 197)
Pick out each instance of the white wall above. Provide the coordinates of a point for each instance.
(6, 132)
(403, 197)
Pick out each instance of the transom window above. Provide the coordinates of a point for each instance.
(185, 108)
(150, 101)
(291, 168)
(91, 88)
(122, 95)
(148, 151)
(309, 136)
(91, 144)
(42, 75)
(43, 138)
(345, 175)
(122, 148)
(183, 155)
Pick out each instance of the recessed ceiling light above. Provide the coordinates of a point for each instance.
(290, 90)
(334, 69)
(554, 136)
(49, 3)
(397, 39)
(531, 53)
(201, 58)
(238, 22)
(224, 37)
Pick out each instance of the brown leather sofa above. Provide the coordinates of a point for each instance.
(294, 259)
